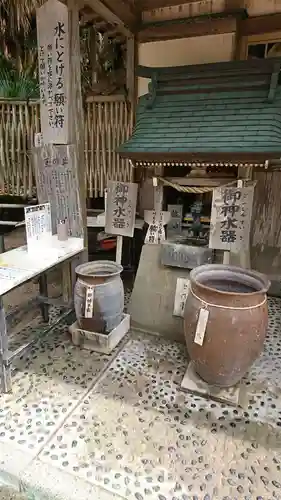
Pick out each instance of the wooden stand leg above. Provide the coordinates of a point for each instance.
(226, 258)
(66, 282)
(2, 243)
(43, 291)
(5, 366)
(119, 247)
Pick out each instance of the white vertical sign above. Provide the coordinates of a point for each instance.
(38, 226)
(182, 291)
(54, 74)
(120, 213)
(156, 222)
(231, 218)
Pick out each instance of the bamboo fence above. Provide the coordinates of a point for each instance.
(108, 123)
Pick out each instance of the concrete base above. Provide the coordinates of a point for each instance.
(191, 382)
(152, 301)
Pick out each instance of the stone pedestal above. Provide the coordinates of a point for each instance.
(152, 302)
(193, 383)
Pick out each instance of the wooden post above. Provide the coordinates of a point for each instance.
(76, 137)
(119, 248)
(130, 70)
(226, 258)
(76, 110)
(62, 123)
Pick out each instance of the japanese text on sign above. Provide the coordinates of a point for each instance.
(53, 51)
(57, 183)
(121, 208)
(38, 227)
(182, 291)
(156, 222)
(231, 218)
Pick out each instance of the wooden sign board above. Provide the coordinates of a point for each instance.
(57, 183)
(38, 140)
(182, 290)
(121, 202)
(54, 72)
(174, 225)
(38, 227)
(231, 218)
(156, 222)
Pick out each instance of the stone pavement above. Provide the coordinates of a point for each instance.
(80, 425)
(9, 494)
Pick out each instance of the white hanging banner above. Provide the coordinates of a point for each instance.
(156, 221)
(54, 72)
(89, 302)
(38, 140)
(38, 226)
(182, 291)
(201, 326)
(231, 217)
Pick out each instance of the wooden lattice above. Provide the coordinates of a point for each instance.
(107, 121)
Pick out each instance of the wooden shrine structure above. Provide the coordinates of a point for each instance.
(232, 29)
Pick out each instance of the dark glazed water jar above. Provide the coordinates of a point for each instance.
(236, 299)
(103, 278)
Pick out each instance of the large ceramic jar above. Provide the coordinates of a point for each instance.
(103, 280)
(236, 300)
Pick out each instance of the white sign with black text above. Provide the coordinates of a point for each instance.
(38, 226)
(54, 72)
(182, 291)
(156, 221)
(231, 218)
(120, 213)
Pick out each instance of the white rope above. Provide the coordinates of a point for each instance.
(205, 304)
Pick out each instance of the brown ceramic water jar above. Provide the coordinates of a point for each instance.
(236, 299)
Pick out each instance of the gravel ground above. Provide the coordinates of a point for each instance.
(9, 494)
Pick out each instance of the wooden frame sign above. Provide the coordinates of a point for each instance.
(231, 218)
(121, 208)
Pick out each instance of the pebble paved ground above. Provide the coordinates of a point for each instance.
(84, 426)
(9, 494)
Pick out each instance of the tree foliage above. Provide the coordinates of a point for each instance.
(102, 58)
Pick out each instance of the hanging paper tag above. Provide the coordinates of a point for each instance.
(38, 140)
(154, 181)
(89, 304)
(182, 290)
(240, 183)
(201, 326)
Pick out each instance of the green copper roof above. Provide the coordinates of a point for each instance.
(213, 109)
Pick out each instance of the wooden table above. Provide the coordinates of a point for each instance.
(17, 267)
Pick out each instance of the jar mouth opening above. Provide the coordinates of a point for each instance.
(229, 280)
(99, 269)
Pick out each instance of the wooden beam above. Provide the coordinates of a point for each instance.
(173, 30)
(130, 69)
(260, 25)
(114, 16)
(161, 4)
(124, 11)
(211, 157)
